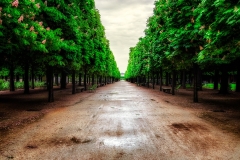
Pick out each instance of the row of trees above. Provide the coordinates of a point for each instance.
(51, 37)
(195, 36)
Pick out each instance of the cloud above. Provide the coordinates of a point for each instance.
(124, 22)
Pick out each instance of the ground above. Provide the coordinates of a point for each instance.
(119, 121)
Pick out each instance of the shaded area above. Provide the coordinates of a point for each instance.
(222, 111)
(18, 109)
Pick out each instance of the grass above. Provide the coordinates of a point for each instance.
(232, 86)
(5, 85)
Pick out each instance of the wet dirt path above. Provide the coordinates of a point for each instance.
(120, 121)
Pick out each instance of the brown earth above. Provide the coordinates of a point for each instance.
(119, 121)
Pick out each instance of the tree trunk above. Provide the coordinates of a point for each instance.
(173, 82)
(153, 81)
(50, 83)
(238, 81)
(148, 80)
(167, 79)
(157, 83)
(79, 79)
(199, 80)
(181, 77)
(26, 81)
(85, 80)
(97, 80)
(216, 77)
(12, 87)
(105, 80)
(184, 79)
(195, 90)
(224, 81)
(100, 80)
(93, 79)
(63, 80)
(161, 78)
(40, 78)
(56, 79)
(32, 75)
(17, 78)
(190, 78)
(48, 78)
(73, 82)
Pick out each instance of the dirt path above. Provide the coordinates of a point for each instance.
(120, 122)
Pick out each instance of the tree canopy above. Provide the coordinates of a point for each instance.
(57, 33)
(183, 34)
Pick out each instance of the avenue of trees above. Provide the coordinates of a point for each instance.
(54, 37)
(185, 38)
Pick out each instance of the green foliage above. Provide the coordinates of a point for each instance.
(19, 85)
(4, 72)
(58, 33)
(4, 85)
(219, 21)
(182, 33)
(232, 86)
(209, 85)
(36, 84)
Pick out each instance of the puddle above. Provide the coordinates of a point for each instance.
(123, 142)
(188, 127)
(31, 147)
(113, 93)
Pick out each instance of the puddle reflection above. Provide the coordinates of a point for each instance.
(130, 143)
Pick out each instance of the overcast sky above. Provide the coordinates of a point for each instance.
(124, 22)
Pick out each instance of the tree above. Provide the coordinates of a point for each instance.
(55, 34)
(219, 23)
